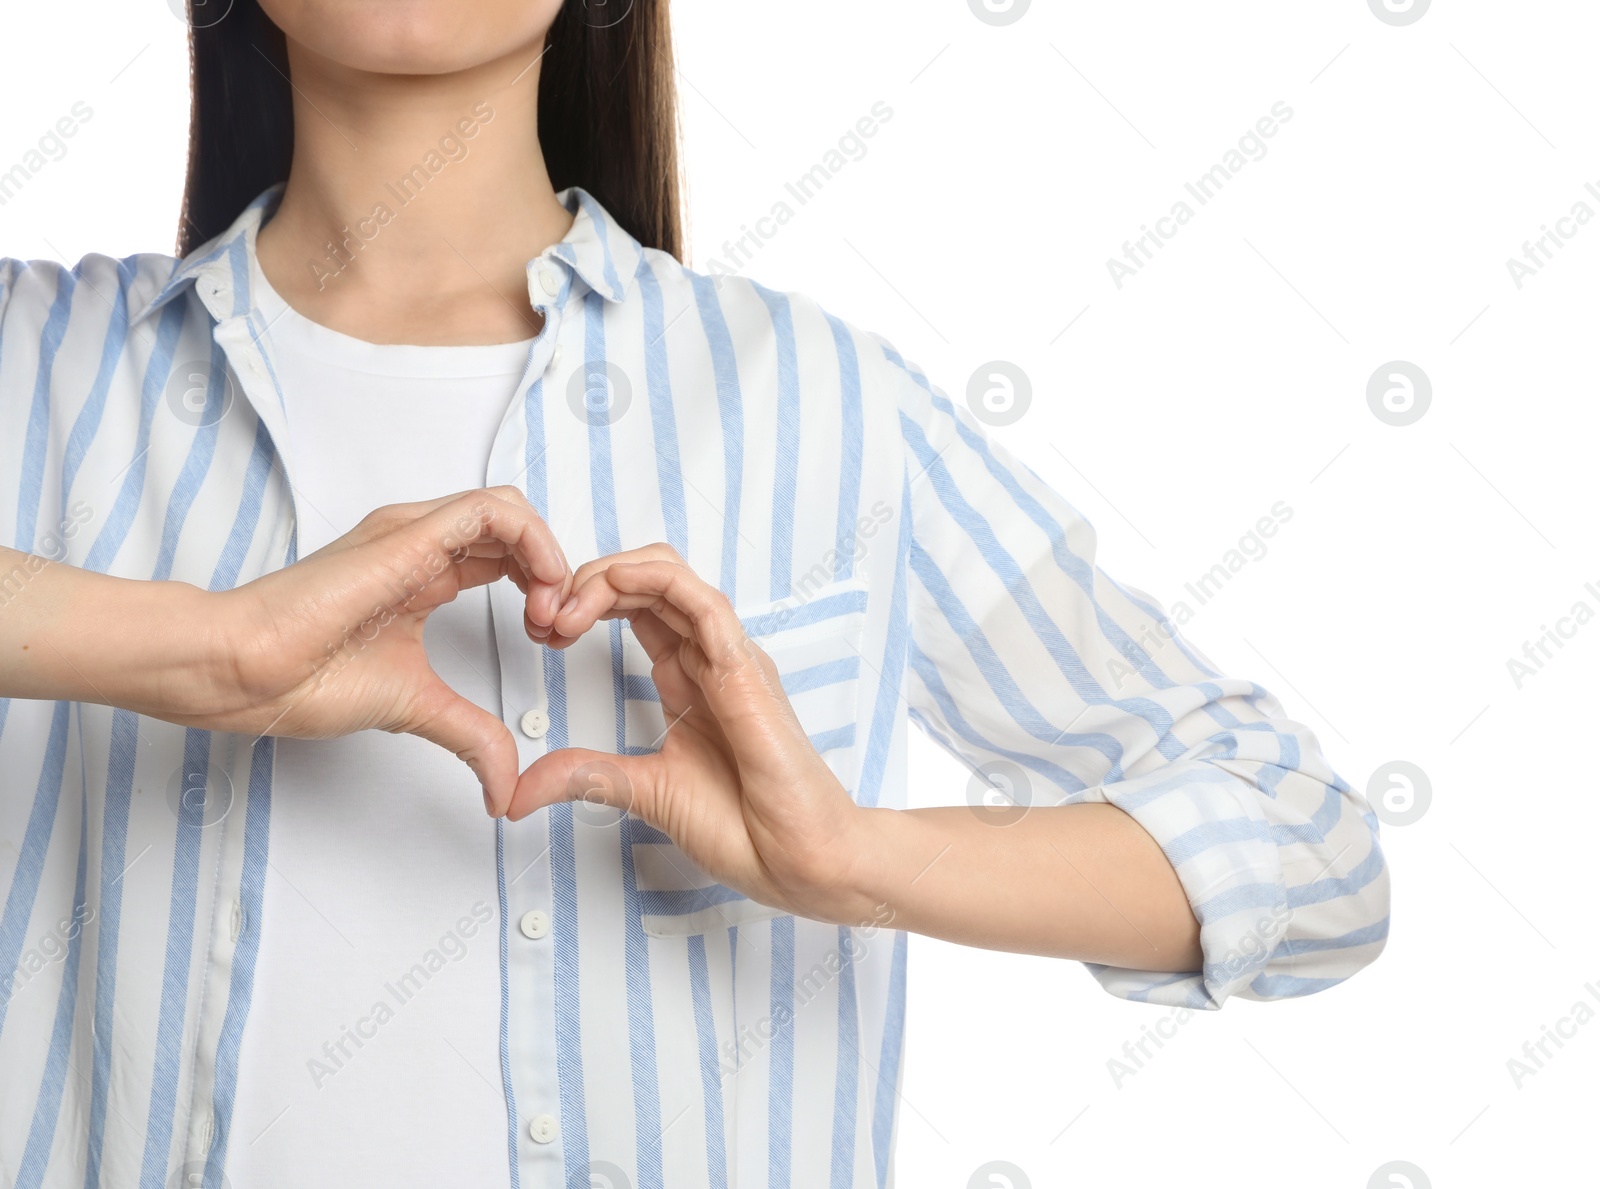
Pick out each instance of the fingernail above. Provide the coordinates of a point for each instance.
(568, 605)
(488, 805)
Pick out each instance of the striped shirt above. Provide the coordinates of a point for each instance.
(663, 1030)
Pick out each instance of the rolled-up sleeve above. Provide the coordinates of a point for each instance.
(1032, 664)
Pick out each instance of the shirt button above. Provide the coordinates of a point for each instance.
(555, 356)
(542, 1129)
(550, 280)
(534, 724)
(534, 924)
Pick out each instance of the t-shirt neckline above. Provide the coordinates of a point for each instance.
(287, 326)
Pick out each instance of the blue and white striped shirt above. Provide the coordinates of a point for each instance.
(896, 563)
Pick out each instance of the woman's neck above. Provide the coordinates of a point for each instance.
(414, 202)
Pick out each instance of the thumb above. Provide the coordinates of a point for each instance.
(576, 774)
(472, 735)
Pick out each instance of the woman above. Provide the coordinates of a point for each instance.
(683, 547)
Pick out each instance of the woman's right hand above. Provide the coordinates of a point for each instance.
(334, 643)
(328, 646)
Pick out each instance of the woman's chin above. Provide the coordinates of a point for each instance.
(412, 36)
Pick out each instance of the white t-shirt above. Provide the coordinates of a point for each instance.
(389, 823)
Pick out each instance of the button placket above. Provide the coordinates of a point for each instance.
(524, 870)
(245, 355)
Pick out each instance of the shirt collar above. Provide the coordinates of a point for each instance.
(598, 248)
(602, 253)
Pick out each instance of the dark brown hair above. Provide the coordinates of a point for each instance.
(607, 116)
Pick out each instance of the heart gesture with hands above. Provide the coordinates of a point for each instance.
(736, 784)
(335, 644)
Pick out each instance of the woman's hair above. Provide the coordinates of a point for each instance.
(607, 117)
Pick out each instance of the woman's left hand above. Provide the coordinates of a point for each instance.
(736, 783)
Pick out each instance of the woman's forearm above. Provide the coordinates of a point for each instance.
(78, 636)
(1073, 881)
(327, 646)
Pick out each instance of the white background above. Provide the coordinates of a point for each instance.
(1174, 411)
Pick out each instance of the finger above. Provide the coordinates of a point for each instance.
(599, 598)
(658, 638)
(601, 606)
(596, 777)
(541, 596)
(737, 682)
(616, 607)
(656, 551)
(539, 610)
(675, 611)
(415, 554)
(465, 575)
(679, 597)
(663, 643)
(381, 521)
(472, 735)
(682, 700)
(552, 586)
(538, 545)
(481, 571)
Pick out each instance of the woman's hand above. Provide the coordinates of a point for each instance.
(334, 643)
(322, 648)
(736, 784)
(739, 788)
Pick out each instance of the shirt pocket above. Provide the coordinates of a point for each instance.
(816, 646)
